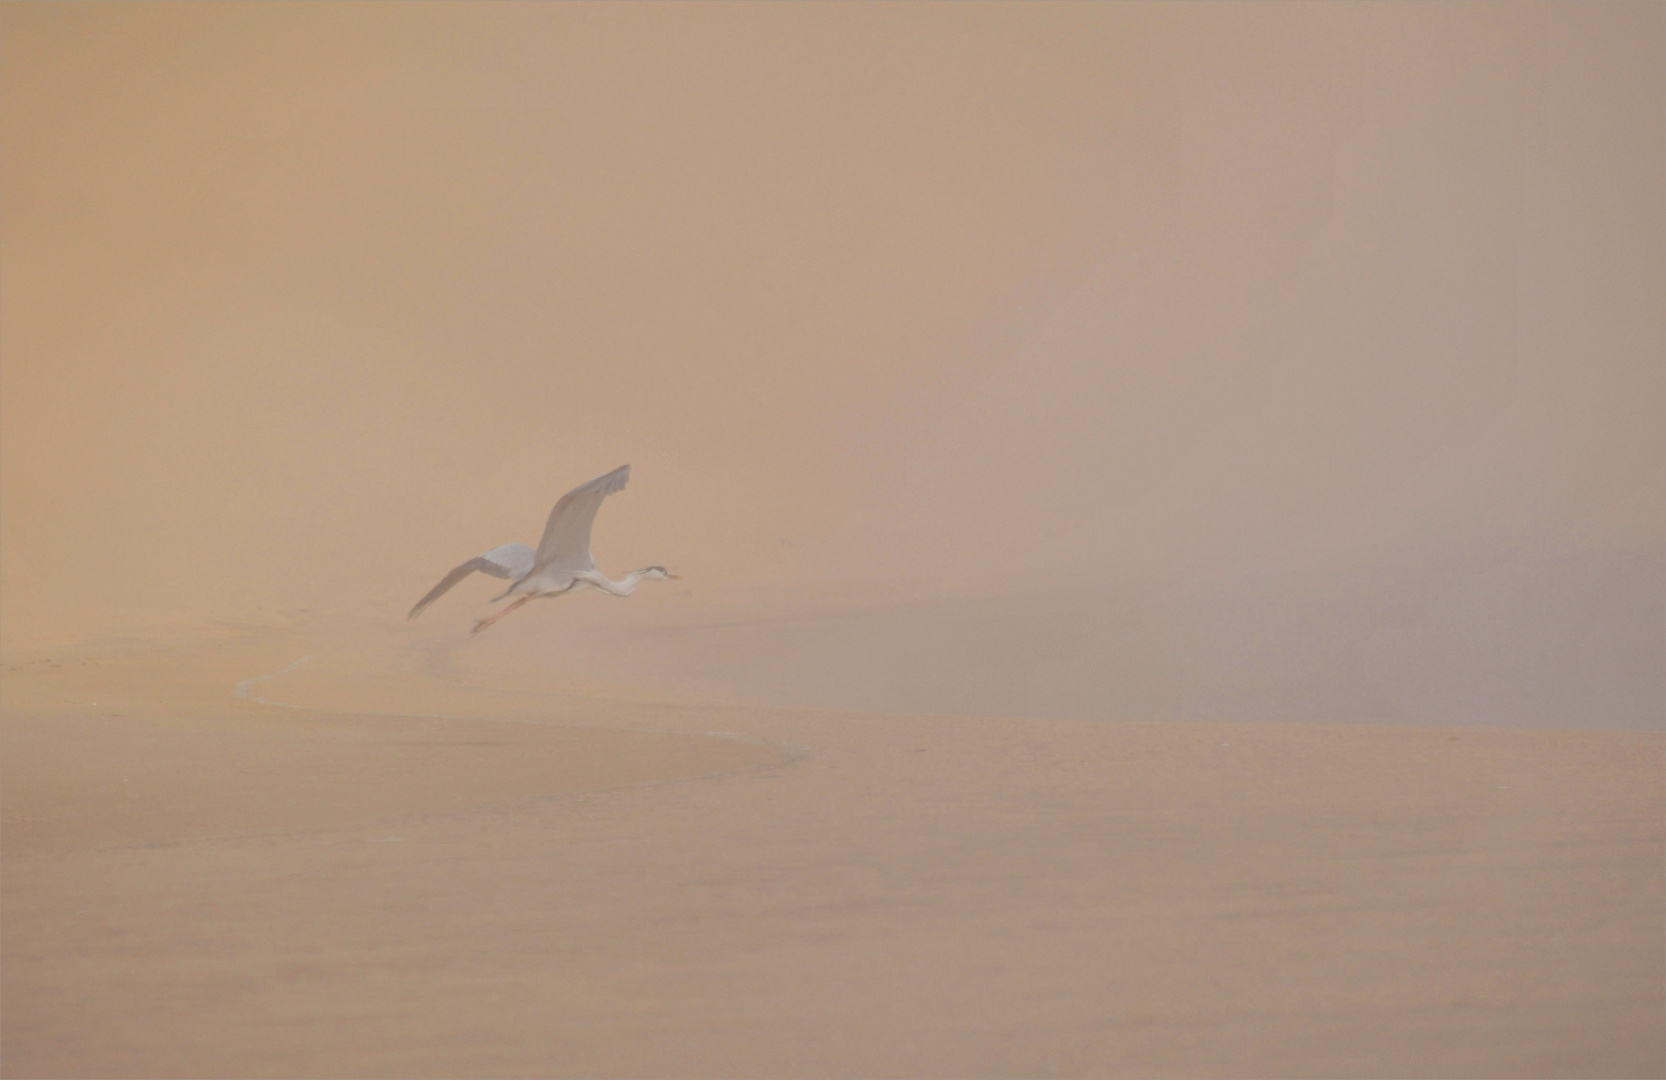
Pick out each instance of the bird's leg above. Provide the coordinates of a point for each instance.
(481, 624)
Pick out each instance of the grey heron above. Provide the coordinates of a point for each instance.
(562, 564)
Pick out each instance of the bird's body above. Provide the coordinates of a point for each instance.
(561, 563)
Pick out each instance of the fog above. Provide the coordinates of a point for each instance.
(1082, 361)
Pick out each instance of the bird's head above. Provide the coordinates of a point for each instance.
(658, 573)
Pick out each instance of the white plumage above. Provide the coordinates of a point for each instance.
(562, 563)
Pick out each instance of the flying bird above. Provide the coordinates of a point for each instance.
(562, 563)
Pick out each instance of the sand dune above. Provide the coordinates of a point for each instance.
(545, 883)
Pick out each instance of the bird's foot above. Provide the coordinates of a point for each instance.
(481, 624)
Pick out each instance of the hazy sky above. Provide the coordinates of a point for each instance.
(1319, 347)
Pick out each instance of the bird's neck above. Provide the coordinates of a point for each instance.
(623, 587)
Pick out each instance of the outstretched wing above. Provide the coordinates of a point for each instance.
(566, 542)
(509, 561)
(513, 561)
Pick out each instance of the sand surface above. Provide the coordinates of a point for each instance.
(375, 863)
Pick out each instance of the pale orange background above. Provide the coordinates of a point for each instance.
(1294, 362)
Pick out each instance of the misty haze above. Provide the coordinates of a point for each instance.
(1167, 506)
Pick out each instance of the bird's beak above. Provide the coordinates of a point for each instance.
(673, 577)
